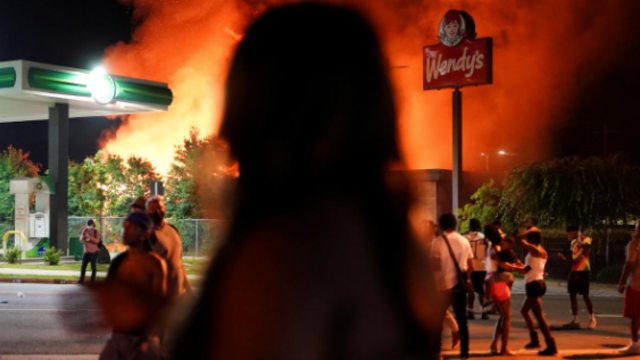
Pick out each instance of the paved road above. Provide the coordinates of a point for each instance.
(611, 333)
(32, 324)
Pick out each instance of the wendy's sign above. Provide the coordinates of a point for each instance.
(460, 59)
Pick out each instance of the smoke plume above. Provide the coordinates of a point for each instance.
(542, 50)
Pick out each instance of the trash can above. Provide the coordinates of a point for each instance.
(75, 248)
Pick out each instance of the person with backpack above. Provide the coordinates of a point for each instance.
(90, 237)
(480, 246)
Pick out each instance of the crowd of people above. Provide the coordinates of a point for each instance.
(484, 263)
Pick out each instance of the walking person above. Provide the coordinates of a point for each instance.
(426, 235)
(579, 276)
(629, 284)
(499, 285)
(90, 237)
(480, 248)
(535, 288)
(139, 277)
(453, 260)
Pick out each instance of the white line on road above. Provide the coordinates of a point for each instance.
(617, 316)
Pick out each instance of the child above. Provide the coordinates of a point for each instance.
(632, 292)
(140, 278)
(535, 288)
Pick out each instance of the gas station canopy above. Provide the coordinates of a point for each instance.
(36, 91)
(28, 89)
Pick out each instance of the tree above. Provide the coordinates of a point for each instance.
(13, 163)
(104, 185)
(199, 171)
(592, 192)
(483, 206)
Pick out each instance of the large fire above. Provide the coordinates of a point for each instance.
(540, 48)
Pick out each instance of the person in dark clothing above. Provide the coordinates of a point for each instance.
(316, 260)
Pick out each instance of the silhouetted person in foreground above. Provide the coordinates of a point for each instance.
(315, 261)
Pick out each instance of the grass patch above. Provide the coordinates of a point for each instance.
(43, 266)
(192, 266)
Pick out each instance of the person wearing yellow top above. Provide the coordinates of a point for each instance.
(578, 282)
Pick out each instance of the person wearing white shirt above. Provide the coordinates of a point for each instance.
(480, 248)
(449, 249)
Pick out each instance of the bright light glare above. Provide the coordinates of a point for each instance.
(101, 85)
(502, 152)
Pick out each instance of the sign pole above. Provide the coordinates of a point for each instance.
(458, 60)
(456, 178)
(58, 171)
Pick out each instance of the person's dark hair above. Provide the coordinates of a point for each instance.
(91, 222)
(139, 203)
(497, 223)
(310, 116)
(140, 219)
(534, 237)
(572, 227)
(447, 222)
(492, 234)
(474, 225)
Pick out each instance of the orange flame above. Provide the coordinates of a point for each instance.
(540, 48)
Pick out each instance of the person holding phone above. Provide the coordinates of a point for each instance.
(90, 237)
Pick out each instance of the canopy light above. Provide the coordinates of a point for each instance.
(28, 89)
(102, 86)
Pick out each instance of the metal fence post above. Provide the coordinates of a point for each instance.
(197, 237)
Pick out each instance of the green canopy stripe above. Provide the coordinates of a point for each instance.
(7, 77)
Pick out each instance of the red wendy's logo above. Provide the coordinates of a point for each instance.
(459, 59)
(455, 26)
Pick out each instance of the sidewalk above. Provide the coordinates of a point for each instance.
(7, 272)
(48, 357)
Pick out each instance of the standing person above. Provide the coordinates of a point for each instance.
(499, 285)
(90, 237)
(167, 243)
(135, 274)
(314, 264)
(631, 273)
(452, 255)
(480, 248)
(578, 282)
(535, 288)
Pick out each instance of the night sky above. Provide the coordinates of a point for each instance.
(61, 32)
(604, 117)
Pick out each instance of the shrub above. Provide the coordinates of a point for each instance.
(13, 255)
(52, 256)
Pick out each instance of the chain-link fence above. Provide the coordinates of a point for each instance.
(607, 252)
(200, 237)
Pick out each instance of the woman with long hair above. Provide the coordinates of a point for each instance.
(499, 286)
(314, 264)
